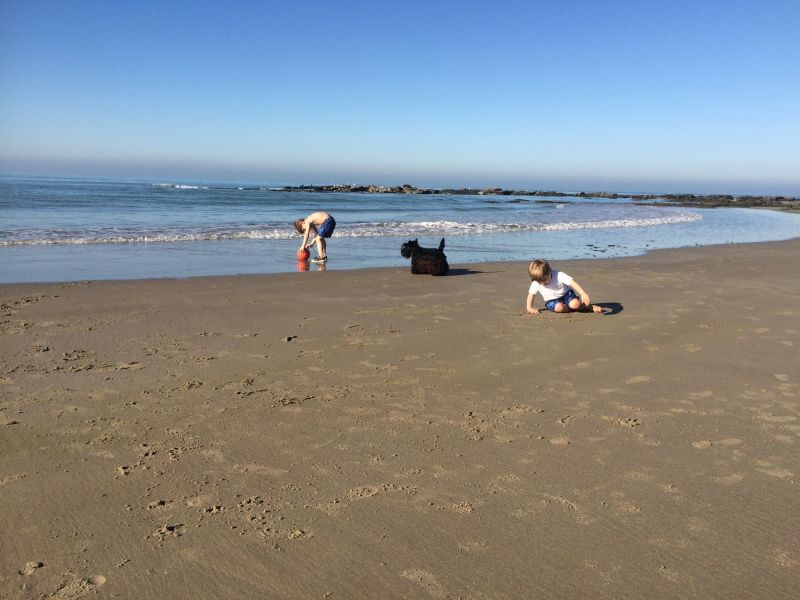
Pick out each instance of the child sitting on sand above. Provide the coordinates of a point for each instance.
(558, 290)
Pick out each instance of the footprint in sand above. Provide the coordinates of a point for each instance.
(623, 421)
(668, 574)
(561, 440)
(13, 477)
(30, 568)
(638, 476)
(627, 507)
(779, 473)
(426, 581)
(703, 444)
(638, 379)
(200, 501)
(730, 442)
(259, 469)
(296, 534)
(697, 525)
(213, 455)
(168, 530)
(784, 558)
(778, 419)
(730, 479)
(367, 491)
(462, 508)
(73, 588)
(513, 411)
(472, 547)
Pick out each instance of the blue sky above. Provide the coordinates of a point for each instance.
(631, 96)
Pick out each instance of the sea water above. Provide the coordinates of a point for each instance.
(78, 229)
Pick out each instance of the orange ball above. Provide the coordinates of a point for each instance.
(303, 254)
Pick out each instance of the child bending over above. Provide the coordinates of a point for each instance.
(560, 292)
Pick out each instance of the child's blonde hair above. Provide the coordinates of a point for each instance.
(298, 225)
(539, 270)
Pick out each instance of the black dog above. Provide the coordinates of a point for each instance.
(425, 261)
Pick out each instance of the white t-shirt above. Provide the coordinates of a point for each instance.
(558, 286)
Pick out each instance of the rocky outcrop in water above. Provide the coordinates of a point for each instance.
(698, 200)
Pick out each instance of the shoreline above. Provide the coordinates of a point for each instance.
(383, 434)
(456, 267)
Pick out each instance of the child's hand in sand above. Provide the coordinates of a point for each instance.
(533, 311)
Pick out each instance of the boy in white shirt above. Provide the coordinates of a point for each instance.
(560, 292)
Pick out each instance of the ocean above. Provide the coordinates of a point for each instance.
(69, 229)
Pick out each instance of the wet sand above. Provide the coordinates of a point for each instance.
(376, 434)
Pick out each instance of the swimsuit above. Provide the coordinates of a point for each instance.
(565, 299)
(326, 229)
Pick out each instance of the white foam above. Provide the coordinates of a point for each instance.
(180, 186)
(355, 230)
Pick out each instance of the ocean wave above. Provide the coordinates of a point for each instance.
(180, 186)
(239, 188)
(455, 228)
(354, 230)
(150, 238)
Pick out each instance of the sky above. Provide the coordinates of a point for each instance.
(656, 96)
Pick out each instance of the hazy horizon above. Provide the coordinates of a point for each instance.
(200, 175)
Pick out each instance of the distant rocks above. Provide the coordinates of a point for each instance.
(410, 189)
(703, 200)
(365, 189)
(706, 200)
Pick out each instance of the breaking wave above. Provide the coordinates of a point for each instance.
(166, 235)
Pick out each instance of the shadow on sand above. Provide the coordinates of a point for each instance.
(610, 308)
(467, 272)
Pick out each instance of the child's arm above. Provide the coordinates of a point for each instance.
(581, 292)
(306, 243)
(531, 310)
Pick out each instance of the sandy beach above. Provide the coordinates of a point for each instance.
(376, 434)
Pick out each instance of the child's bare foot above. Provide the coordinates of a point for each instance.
(596, 308)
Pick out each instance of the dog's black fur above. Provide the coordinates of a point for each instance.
(425, 261)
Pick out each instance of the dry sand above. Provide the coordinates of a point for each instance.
(375, 434)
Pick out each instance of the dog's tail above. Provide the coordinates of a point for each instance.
(441, 245)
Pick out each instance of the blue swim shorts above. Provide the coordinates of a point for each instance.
(566, 299)
(326, 229)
